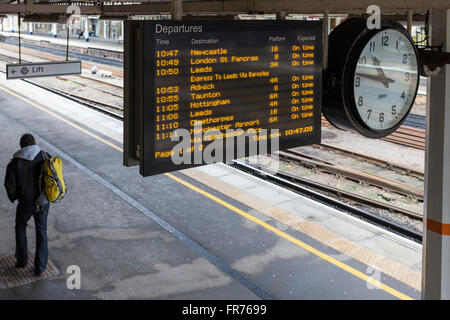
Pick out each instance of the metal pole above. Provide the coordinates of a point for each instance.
(176, 10)
(436, 226)
(409, 25)
(281, 15)
(428, 28)
(86, 29)
(67, 39)
(20, 51)
(326, 23)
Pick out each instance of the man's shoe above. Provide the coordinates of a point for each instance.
(20, 265)
(39, 273)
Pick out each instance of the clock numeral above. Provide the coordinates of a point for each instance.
(362, 60)
(357, 81)
(403, 96)
(405, 59)
(360, 101)
(369, 111)
(394, 110)
(381, 117)
(385, 41)
(396, 45)
(406, 76)
(372, 46)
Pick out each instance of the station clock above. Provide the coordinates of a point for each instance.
(372, 77)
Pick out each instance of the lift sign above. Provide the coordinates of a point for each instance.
(228, 77)
(42, 69)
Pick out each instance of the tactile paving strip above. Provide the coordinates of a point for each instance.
(11, 277)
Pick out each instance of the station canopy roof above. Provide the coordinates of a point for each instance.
(219, 7)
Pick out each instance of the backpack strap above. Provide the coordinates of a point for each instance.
(45, 156)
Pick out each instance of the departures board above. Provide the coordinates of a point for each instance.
(223, 79)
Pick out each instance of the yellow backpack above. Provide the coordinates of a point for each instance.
(52, 176)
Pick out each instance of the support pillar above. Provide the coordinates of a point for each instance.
(436, 233)
(326, 32)
(54, 30)
(281, 15)
(11, 19)
(86, 29)
(410, 22)
(30, 27)
(176, 10)
(105, 29)
(121, 30)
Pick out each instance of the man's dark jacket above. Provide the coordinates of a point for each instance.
(22, 174)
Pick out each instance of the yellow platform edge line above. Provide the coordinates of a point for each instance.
(301, 244)
(265, 225)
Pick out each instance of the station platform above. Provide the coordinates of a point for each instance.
(74, 42)
(210, 232)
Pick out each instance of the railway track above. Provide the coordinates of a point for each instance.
(415, 121)
(306, 160)
(98, 106)
(75, 97)
(113, 87)
(62, 53)
(410, 137)
(297, 185)
(309, 161)
(46, 56)
(353, 197)
(8, 59)
(405, 135)
(378, 162)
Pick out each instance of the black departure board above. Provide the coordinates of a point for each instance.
(228, 78)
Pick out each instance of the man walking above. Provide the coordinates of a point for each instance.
(22, 184)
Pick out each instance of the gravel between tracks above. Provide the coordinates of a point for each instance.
(384, 150)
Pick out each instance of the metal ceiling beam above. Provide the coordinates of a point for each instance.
(347, 6)
(240, 6)
(397, 17)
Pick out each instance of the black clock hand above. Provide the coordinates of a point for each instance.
(381, 74)
(384, 80)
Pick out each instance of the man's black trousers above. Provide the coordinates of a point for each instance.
(25, 210)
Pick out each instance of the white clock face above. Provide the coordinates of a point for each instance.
(386, 79)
